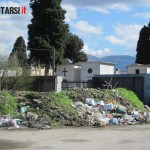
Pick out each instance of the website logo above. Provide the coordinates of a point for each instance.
(13, 10)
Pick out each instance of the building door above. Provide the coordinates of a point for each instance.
(137, 71)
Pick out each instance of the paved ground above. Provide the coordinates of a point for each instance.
(108, 138)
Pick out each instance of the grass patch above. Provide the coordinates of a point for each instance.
(131, 97)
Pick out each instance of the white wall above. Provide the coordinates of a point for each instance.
(98, 69)
(58, 82)
(148, 70)
(8, 73)
(77, 74)
(35, 71)
(132, 70)
(85, 76)
(105, 69)
(72, 74)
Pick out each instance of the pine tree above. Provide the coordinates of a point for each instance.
(19, 51)
(73, 50)
(47, 32)
(143, 46)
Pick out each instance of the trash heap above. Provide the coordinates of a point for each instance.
(9, 122)
(81, 107)
(109, 112)
(40, 110)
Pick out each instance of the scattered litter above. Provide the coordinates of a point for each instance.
(107, 107)
(90, 112)
(102, 113)
(89, 101)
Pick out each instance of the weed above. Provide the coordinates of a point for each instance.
(8, 104)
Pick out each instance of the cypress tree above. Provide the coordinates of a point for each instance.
(73, 49)
(19, 52)
(47, 32)
(143, 46)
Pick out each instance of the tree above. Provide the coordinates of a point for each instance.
(8, 68)
(73, 49)
(143, 46)
(47, 32)
(19, 51)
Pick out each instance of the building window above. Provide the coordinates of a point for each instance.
(90, 70)
(137, 71)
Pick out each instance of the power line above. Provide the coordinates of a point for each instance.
(28, 48)
(37, 49)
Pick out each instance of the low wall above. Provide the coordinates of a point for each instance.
(73, 85)
(34, 83)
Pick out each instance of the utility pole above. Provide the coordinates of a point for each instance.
(53, 62)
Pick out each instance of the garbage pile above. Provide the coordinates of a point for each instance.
(110, 112)
(47, 110)
(28, 119)
(36, 110)
(10, 123)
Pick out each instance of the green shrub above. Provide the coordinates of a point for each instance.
(8, 104)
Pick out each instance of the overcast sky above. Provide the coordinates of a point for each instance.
(107, 27)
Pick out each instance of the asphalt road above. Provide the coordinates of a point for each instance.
(135, 137)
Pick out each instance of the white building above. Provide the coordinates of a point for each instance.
(8, 73)
(70, 72)
(138, 69)
(11, 72)
(89, 69)
(83, 71)
(39, 71)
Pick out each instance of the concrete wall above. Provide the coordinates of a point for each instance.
(74, 85)
(37, 83)
(136, 83)
(147, 89)
(47, 84)
(58, 83)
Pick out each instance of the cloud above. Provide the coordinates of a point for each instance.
(145, 15)
(12, 26)
(71, 13)
(97, 53)
(108, 3)
(105, 6)
(114, 40)
(83, 27)
(2, 49)
(126, 35)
